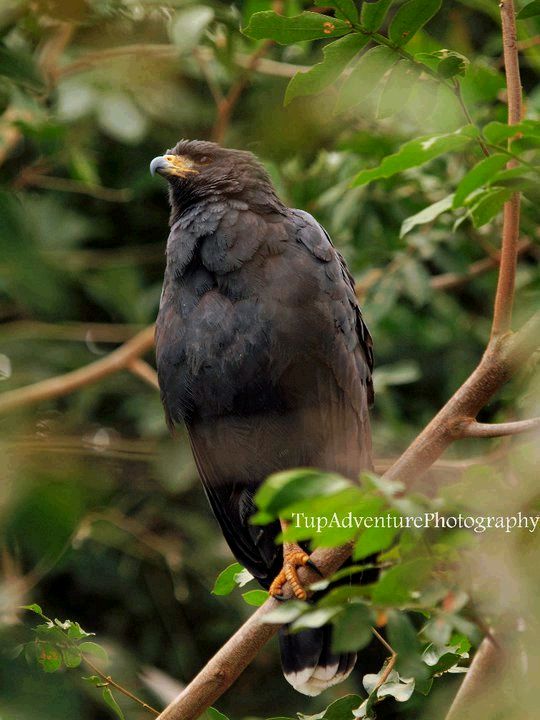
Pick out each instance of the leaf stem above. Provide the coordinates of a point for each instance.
(121, 689)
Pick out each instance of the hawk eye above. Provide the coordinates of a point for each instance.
(203, 160)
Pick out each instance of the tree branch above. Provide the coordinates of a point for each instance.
(237, 653)
(483, 669)
(119, 359)
(504, 297)
(472, 429)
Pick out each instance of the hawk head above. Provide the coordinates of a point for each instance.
(198, 170)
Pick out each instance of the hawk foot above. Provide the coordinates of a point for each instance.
(292, 560)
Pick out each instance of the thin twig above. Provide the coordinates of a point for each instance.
(474, 429)
(90, 60)
(107, 680)
(143, 370)
(391, 661)
(54, 387)
(504, 297)
(228, 103)
(465, 110)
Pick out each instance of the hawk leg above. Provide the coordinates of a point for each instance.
(293, 558)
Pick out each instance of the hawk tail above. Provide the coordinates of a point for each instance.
(308, 662)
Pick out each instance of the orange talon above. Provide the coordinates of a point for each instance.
(292, 560)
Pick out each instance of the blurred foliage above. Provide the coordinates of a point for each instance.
(102, 516)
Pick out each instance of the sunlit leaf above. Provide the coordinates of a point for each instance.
(227, 580)
(283, 489)
(397, 88)
(214, 714)
(398, 584)
(35, 608)
(497, 132)
(110, 701)
(337, 56)
(428, 214)
(488, 204)
(289, 30)
(417, 152)
(255, 597)
(365, 76)
(478, 176)
(410, 17)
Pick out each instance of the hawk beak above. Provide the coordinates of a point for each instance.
(172, 166)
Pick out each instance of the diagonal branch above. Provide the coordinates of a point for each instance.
(119, 359)
(501, 359)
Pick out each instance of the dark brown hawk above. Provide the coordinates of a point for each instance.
(263, 353)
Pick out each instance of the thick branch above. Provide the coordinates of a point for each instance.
(473, 429)
(119, 359)
(502, 357)
(237, 653)
(478, 679)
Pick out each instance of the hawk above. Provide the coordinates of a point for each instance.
(263, 354)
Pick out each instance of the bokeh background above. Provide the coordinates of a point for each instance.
(102, 517)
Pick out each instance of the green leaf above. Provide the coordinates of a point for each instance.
(397, 585)
(497, 132)
(452, 64)
(289, 30)
(341, 709)
(397, 88)
(49, 657)
(347, 8)
(35, 608)
(75, 632)
(374, 540)
(410, 17)
(189, 24)
(373, 13)
(108, 697)
(94, 680)
(315, 618)
(365, 76)
(72, 656)
(403, 637)
(352, 628)
(255, 597)
(226, 580)
(481, 173)
(20, 68)
(286, 613)
(488, 204)
(426, 215)
(214, 714)
(92, 648)
(283, 489)
(530, 10)
(337, 56)
(417, 152)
